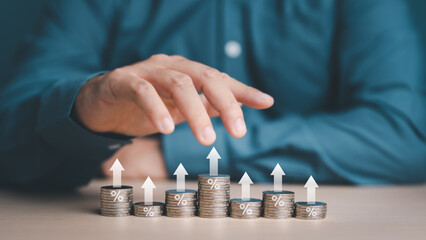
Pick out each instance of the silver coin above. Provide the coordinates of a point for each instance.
(213, 216)
(316, 204)
(154, 204)
(279, 217)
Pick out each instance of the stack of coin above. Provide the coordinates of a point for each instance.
(155, 209)
(116, 201)
(304, 210)
(213, 194)
(181, 203)
(246, 208)
(278, 204)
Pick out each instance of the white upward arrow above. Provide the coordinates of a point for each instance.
(245, 186)
(213, 157)
(278, 178)
(310, 186)
(116, 173)
(180, 178)
(148, 187)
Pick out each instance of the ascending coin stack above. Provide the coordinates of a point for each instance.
(116, 201)
(245, 208)
(278, 205)
(310, 211)
(181, 204)
(212, 203)
(213, 195)
(212, 199)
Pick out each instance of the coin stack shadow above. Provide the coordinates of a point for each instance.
(181, 204)
(310, 211)
(156, 209)
(213, 195)
(278, 204)
(246, 208)
(116, 201)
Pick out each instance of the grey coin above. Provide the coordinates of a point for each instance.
(142, 204)
(316, 204)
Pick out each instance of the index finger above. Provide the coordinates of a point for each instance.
(211, 83)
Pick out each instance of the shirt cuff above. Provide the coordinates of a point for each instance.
(56, 127)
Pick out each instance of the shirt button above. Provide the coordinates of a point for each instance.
(113, 147)
(232, 49)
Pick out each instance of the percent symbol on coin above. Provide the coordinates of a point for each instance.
(180, 200)
(311, 211)
(246, 209)
(117, 196)
(213, 184)
(277, 201)
(148, 211)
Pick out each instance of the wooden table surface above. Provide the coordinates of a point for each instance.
(390, 212)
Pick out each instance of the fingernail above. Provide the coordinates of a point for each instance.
(208, 134)
(167, 125)
(240, 127)
(265, 97)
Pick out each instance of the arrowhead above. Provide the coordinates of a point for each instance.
(311, 183)
(116, 166)
(245, 179)
(278, 170)
(180, 170)
(148, 183)
(213, 154)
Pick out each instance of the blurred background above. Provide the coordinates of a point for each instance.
(19, 17)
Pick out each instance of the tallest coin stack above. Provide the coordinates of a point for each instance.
(214, 193)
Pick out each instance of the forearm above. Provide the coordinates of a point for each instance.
(39, 140)
(43, 143)
(363, 145)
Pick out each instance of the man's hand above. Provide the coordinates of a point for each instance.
(153, 95)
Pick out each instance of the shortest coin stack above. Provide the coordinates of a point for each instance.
(246, 208)
(278, 204)
(304, 210)
(181, 204)
(116, 201)
(155, 209)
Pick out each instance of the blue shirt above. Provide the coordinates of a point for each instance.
(346, 77)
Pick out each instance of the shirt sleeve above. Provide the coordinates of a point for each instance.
(377, 135)
(40, 143)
